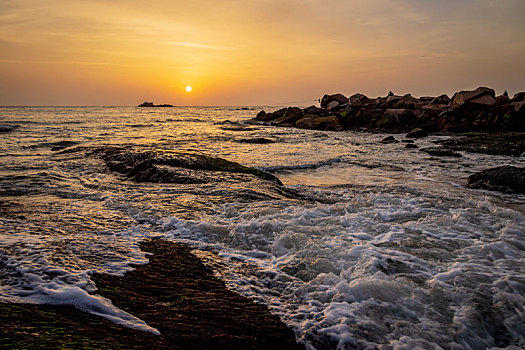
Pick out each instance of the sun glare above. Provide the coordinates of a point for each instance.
(188, 88)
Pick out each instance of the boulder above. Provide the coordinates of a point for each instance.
(480, 97)
(358, 100)
(417, 133)
(408, 102)
(503, 179)
(519, 97)
(340, 98)
(441, 100)
(319, 123)
(333, 105)
(502, 100)
(411, 145)
(288, 116)
(393, 99)
(519, 106)
(256, 140)
(260, 116)
(389, 139)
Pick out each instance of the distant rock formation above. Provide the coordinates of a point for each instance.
(477, 110)
(150, 104)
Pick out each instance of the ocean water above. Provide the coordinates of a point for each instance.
(382, 247)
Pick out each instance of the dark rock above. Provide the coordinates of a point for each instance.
(358, 100)
(150, 104)
(411, 145)
(502, 100)
(519, 97)
(8, 127)
(482, 96)
(407, 141)
(333, 105)
(440, 100)
(391, 100)
(441, 152)
(417, 133)
(260, 115)
(330, 122)
(172, 167)
(389, 139)
(408, 102)
(507, 179)
(340, 98)
(289, 116)
(257, 140)
(503, 143)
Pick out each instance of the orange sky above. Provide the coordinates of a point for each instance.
(257, 52)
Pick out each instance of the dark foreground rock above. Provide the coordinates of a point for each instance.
(151, 104)
(172, 167)
(174, 293)
(8, 127)
(507, 179)
(503, 143)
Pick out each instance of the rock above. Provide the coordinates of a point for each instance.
(411, 145)
(502, 100)
(408, 102)
(519, 106)
(417, 133)
(289, 116)
(332, 105)
(482, 96)
(440, 100)
(319, 123)
(519, 97)
(441, 152)
(393, 99)
(340, 98)
(260, 115)
(389, 139)
(150, 104)
(358, 100)
(407, 141)
(8, 127)
(169, 167)
(257, 140)
(507, 179)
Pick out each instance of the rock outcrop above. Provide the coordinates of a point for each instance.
(507, 179)
(477, 110)
(151, 104)
(8, 127)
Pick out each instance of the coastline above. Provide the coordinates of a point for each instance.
(174, 293)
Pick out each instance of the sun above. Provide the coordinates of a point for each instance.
(188, 88)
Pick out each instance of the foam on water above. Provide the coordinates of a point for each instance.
(377, 270)
(46, 266)
(395, 254)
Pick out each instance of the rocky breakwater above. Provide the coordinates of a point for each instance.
(477, 110)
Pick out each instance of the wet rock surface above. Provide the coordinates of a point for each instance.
(8, 127)
(173, 167)
(175, 293)
(508, 143)
(441, 152)
(507, 179)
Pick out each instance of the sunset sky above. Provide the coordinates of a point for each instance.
(256, 52)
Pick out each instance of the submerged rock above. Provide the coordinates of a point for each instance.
(441, 152)
(507, 179)
(258, 140)
(8, 127)
(417, 133)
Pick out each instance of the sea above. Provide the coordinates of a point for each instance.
(365, 245)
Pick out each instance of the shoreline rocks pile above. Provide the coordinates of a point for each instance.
(151, 104)
(476, 110)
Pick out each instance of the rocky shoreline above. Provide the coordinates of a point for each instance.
(477, 110)
(175, 293)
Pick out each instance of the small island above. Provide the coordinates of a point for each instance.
(151, 104)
